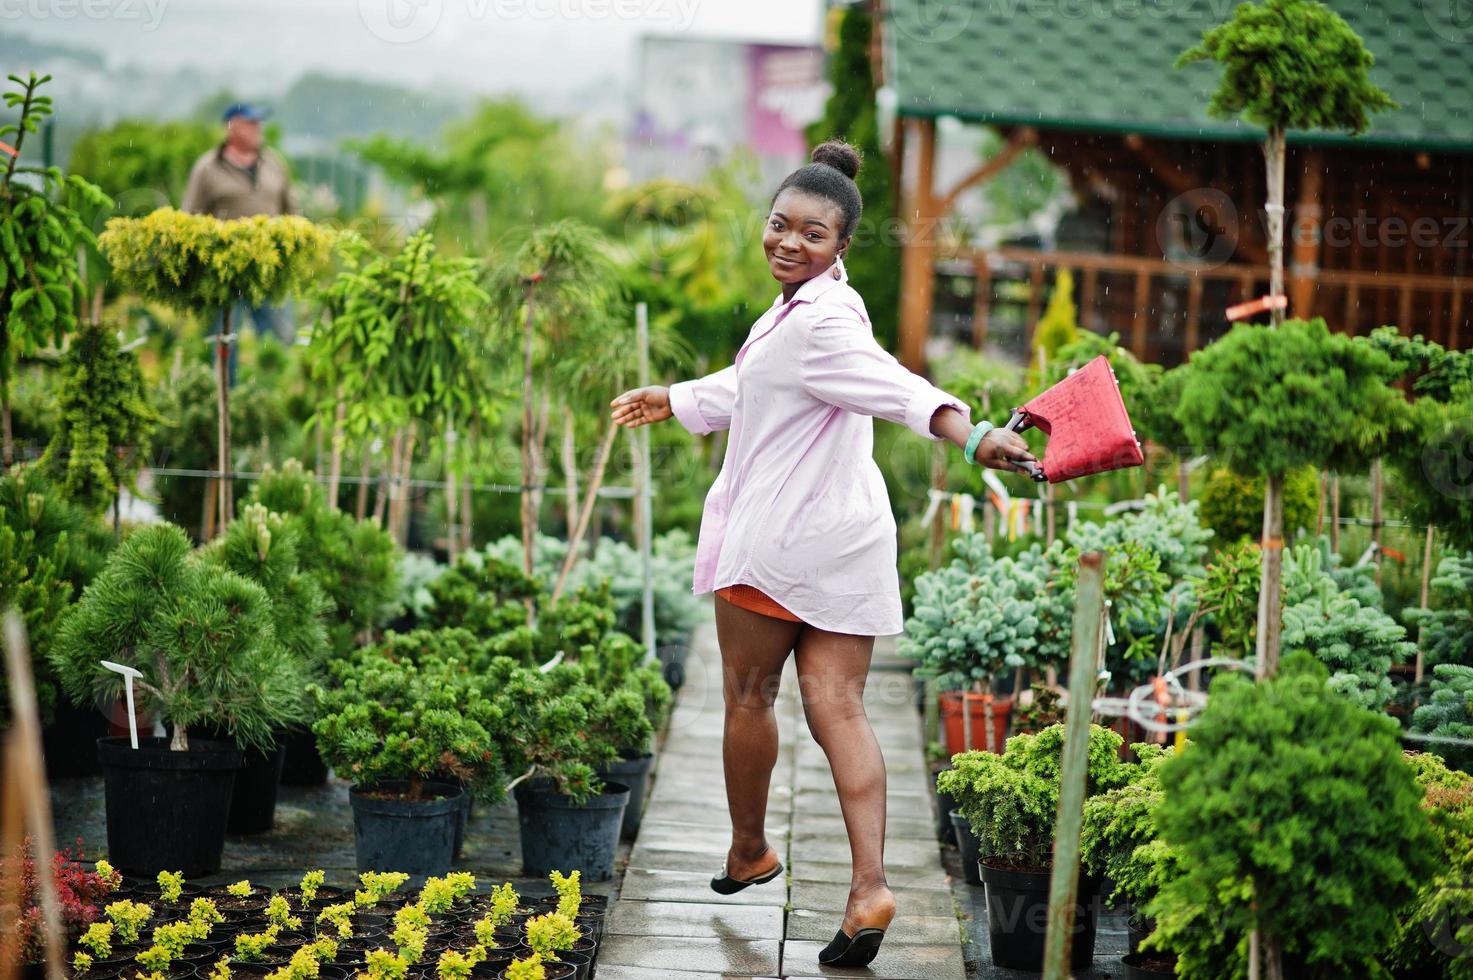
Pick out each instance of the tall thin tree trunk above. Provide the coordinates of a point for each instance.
(589, 501)
(1273, 154)
(527, 476)
(8, 453)
(452, 495)
(539, 461)
(384, 503)
(1335, 513)
(1270, 598)
(335, 468)
(361, 510)
(222, 377)
(570, 473)
(406, 492)
(1183, 480)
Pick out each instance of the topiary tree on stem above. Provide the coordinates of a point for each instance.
(41, 231)
(1288, 64)
(1269, 401)
(1262, 813)
(197, 263)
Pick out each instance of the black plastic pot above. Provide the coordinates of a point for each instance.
(945, 803)
(416, 837)
(554, 971)
(69, 743)
(1017, 918)
(1137, 927)
(582, 961)
(970, 847)
(253, 805)
(1134, 970)
(303, 765)
(166, 811)
(463, 817)
(559, 836)
(635, 774)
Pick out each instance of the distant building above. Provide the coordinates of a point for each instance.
(696, 102)
(1168, 230)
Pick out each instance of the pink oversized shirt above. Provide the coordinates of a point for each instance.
(799, 509)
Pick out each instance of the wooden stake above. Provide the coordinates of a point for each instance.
(1378, 493)
(25, 781)
(222, 384)
(1270, 598)
(1089, 610)
(1335, 513)
(938, 520)
(452, 497)
(335, 470)
(1426, 595)
(589, 500)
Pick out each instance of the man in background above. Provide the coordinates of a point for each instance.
(240, 178)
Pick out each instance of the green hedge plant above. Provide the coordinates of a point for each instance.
(1294, 815)
(393, 720)
(1012, 799)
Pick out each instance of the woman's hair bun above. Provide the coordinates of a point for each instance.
(839, 155)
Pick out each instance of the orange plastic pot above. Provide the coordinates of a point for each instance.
(951, 716)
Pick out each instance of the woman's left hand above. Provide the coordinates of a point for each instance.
(1000, 447)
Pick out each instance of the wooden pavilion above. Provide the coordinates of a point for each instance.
(1169, 231)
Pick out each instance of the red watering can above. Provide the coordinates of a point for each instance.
(1084, 417)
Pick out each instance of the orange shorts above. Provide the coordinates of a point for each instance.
(754, 599)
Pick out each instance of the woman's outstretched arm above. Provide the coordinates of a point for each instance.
(702, 405)
(843, 365)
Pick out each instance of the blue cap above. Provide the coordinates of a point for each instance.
(254, 113)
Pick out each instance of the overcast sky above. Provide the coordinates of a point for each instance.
(485, 45)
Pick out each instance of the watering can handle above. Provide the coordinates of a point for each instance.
(1018, 423)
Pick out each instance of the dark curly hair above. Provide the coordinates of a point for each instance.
(831, 176)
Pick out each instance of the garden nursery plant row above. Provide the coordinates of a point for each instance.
(166, 929)
(284, 621)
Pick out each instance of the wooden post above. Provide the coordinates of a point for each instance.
(918, 251)
(1335, 513)
(645, 490)
(938, 520)
(1378, 491)
(222, 451)
(1270, 582)
(1089, 609)
(1306, 236)
(981, 300)
(1193, 333)
(1138, 324)
(1425, 595)
(1035, 302)
(25, 790)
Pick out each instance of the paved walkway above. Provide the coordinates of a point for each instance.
(669, 925)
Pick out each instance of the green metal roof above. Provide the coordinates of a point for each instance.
(1107, 66)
